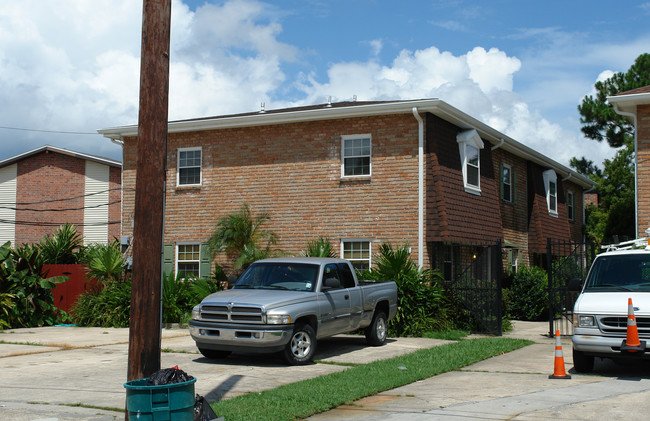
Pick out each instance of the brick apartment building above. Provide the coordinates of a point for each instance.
(635, 105)
(48, 187)
(419, 172)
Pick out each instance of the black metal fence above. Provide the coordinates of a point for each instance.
(566, 260)
(477, 288)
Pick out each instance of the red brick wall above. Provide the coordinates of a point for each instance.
(48, 176)
(643, 139)
(293, 172)
(115, 197)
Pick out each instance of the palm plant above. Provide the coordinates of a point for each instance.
(320, 247)
(105, 262)
(61, 246)
(242, 238)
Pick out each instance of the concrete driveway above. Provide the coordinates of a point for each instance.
(47, 370)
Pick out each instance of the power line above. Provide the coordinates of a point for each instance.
(57, 224)
(59, 200)
(60, 210)
(45, 131)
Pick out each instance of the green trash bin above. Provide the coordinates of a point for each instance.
(170, 402)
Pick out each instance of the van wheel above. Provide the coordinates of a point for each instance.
(582, 363)
(378, 330)
(301, 348)
(214, 354)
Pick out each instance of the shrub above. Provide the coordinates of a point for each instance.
(105, 261)
(62, 246)
(420, 305)
(106, 306)
(527, 297)
(321, 247)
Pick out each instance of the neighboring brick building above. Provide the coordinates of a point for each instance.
(48, 187)
(417, 172)
(635, 105)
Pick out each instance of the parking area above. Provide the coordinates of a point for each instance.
(47, 371)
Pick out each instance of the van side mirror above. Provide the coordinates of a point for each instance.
(575, 285)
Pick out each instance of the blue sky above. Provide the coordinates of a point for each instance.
(519, 66)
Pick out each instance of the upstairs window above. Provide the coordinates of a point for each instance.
(189, 167)
(355, 160)
(550, 185)
(570, 206)
(357, 252)
(506, 183)
(469, 147)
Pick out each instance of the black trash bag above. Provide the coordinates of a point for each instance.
(203, 411)
(168, 376)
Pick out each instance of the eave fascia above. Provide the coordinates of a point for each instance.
(434, 106)
(628, 103)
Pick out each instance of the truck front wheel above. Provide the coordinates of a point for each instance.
(582, 363)
(378, 330)
(302, 346)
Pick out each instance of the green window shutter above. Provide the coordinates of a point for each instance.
(501, 181)
(168, 258)
(204, 264)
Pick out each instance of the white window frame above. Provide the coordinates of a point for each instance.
(177, 260)
(357, 240)
(472, 139)
(509, 185)
(178, 167)
(346, 138)
(550, 177)
(570, 205)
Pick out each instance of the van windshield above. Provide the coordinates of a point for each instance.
(630, 272)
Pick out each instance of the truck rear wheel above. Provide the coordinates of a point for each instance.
(301, 348)
(582, 363)
(378, 330)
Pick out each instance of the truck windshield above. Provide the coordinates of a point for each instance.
(630, 272)
(279, 276)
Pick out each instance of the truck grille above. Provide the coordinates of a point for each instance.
(232, 313)
(618, 324)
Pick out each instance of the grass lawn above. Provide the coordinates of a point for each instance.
(308, 397)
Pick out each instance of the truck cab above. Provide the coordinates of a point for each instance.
(601, 311)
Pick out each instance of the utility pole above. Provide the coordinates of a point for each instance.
(146, 285)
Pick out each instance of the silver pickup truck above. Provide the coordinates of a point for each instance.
(287, 304)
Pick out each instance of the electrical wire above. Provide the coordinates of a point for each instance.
(46, 131)
(57, 224)
(60, 200)
(60, 210)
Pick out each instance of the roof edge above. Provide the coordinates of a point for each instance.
(49, 148)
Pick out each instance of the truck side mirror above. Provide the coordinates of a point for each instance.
(331, 283)
(575, 284)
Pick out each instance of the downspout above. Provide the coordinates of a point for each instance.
(420, 187)
(636, 169)
(498, 145)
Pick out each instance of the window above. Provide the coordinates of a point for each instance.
(550, 185)
(358, 253)
(469, 146)
(356, 155)
(506, 183)
(569, 206)
(513, 260)
(188, 259)
(189, 167)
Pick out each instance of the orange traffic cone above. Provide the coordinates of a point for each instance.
(558, 371)
(632, 343)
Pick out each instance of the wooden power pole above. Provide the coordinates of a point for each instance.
(145, 318)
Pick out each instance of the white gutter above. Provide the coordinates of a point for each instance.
(420, 187)
(636, 167)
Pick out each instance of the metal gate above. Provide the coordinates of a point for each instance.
(566, 260)
(478, 289)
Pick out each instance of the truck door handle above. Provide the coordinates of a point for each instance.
(347, 297)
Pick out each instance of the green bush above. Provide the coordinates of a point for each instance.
(420, 305)
(527, 297)
(25, 296)
(107, 305)
(61, 247)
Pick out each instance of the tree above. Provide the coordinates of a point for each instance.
(242, 238)
(615, 183)
(599, 119)
(321, 247)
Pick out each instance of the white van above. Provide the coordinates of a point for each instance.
(600, 312)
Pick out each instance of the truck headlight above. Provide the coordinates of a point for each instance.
(586, 321)
(196, 313)
(278, 319)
